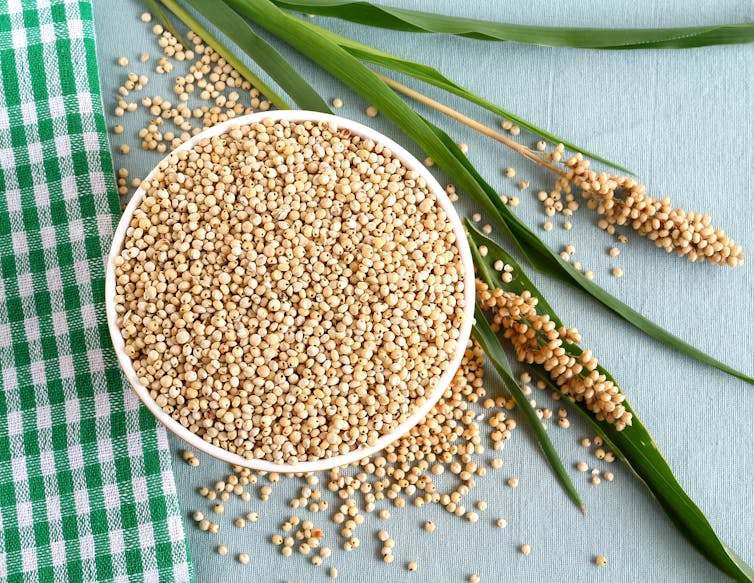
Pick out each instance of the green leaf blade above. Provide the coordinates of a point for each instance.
(400, 19)
(433, 77)
(483, 334)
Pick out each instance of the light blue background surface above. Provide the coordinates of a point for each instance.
(683, 121)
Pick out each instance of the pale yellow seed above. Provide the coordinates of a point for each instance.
(146, 17)
(609, 476)
(514, 201)
(429, 526)
(547, 226)
(525, 550)
(412, 566)
(582, 466)
(123, 61)
(614, 252)
(589, 275)
(125, 149)
(222, 550)
(600, 561)
(337, 103)
(617, 272)
(509, 172)
(501, 523)
(513, 482)
(372, 111)
(429, 162)
(243, 558)
(567, 225)
(118, 129)
(463, 147)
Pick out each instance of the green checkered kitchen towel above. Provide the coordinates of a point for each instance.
(86, 486)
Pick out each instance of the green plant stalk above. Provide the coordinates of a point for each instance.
(239, 66)
(634, 445)
(486, 338)
(261, 52)
(400, 19)
(432, 76)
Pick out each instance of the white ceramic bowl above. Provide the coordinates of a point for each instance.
(326, 463)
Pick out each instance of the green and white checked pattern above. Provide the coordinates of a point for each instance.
(86, 486)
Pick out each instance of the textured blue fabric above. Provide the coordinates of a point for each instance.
(682, 120)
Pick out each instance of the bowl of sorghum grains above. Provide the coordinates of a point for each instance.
(290, 291)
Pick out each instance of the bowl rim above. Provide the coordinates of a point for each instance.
(442, 385)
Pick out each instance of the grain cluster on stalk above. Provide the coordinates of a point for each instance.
(537, 340)
(620, 200)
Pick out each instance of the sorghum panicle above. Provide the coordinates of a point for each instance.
(623, 201)
(537, 340)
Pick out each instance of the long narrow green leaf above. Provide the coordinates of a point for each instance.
(592, 38)
(216, 45)
(495, 353)
(549, 262)
(634, 445)
(264, 54)
(432, 76)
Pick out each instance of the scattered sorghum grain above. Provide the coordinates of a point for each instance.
(371, 111)
(243, 558)
(337, 103)
(222, 550)
(600, 561)
(525, 549)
